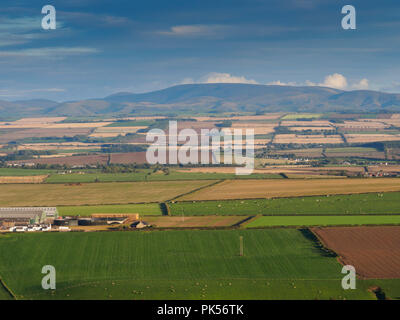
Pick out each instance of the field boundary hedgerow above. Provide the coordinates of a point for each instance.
(197, 189)
(284, 197)
(7, 289)
(317, 242)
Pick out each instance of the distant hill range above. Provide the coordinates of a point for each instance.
(213, 98)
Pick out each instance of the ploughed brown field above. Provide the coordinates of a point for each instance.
(373, 251)
(193, 221)
(307, 139)
(42, 133)
(270, 188)
(127, 157)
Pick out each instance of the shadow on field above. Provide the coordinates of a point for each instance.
(324, 251)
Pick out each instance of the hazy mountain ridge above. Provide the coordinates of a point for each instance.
(214, 98)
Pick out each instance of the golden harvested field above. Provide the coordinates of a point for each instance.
(253, 125)
(246, 189)
(391, 121)
(311, 128)
(362, 125)
(269, 116)
(23, 179)
(257, 129)
(193, 221)
(58, 146)
(120, 129)
(78, 125)
(390, 168)
(360, 138)
(31, 122)
(94, 193)
(304, 139)
(105, 132)
(314, 123)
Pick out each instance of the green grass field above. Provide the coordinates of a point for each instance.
(277, 264)
(278, 221)
(144, 176)
(131, 123)
(350, 150)
(368, 203)
(4, 295)
(296, 116)
(24, 172)
(148, 209)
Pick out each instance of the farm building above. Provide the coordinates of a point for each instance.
(26, 215)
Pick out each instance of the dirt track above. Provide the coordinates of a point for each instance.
(373, 251)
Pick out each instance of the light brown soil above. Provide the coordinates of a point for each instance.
(268, 188)
(23, 179)
(193, 221)
(373, 251)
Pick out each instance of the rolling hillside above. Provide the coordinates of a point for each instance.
(214, 98)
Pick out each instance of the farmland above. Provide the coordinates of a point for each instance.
(280, 263)
(148, 175)
(374, 251)
(23, 179)
(144, 209)
(98, 193)
(245, 189)
(369, 203)
(327, 171)
(298, 221)
(194, 221)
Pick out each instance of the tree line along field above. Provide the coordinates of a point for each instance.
(277, 264)
(94, 193)
(298, 221)
(368, 203)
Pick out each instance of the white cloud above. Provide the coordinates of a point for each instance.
(362, 85)
(280, 83)
(21, 93)
(55, 52)
(195, 30)
(336, 81)
(23, 30)
(215, 77)
(339, 81)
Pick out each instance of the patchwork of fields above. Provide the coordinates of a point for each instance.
(311, 170)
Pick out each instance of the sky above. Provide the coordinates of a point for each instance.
(101, 47)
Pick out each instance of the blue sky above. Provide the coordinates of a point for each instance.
(101, 47)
